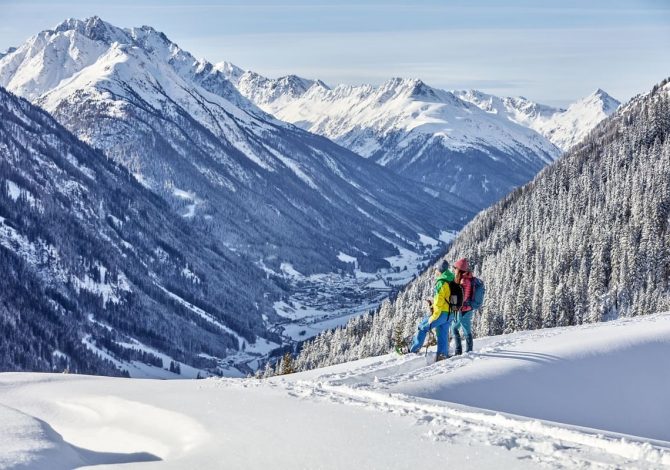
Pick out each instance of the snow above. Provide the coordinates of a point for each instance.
(347, 258)
(33, 252)
(187, 196)
(570, 127)
(564, 128)
(13, 190)
(447, 236)
(182, 194)
(143, 180)
(362, 118)
(426, 240)
(83, 168)
(405, 258)
(109, 291)
(294, 166)
(289, 270)
(586, 372)
(190, 275)
(597, 398)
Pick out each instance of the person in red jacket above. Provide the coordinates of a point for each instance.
(463, 319)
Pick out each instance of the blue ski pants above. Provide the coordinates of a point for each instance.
(441, 326)
(464, 321)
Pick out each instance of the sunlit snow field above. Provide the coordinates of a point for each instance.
(574, 397)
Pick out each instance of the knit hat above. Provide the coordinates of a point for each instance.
(443, 266)
(462, 265)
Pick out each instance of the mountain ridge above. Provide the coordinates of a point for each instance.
(150, 79)
(446, 138)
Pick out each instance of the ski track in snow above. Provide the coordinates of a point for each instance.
(370, 385)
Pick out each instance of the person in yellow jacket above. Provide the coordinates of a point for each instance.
(438, 317)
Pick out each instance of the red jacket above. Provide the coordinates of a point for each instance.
(468, 291)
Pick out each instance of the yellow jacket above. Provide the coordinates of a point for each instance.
(442, 295)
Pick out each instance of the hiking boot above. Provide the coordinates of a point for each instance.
(468, 343)
(441, 357)
(458, 348)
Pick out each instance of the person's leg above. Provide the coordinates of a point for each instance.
(456, 334)
(420, 337)
(442, 332)
(466, 323)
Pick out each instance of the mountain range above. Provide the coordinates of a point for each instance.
(276, 204)
(269, 189)
(460, 141)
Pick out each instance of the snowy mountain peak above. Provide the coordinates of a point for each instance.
(7, 52)
(293, 84)
(567, 128)
(93, 28)
(231, 71)
(606, 101)
(265, 91)
(94, 55)
(563, 127)
(319, 84)
(413, 89)
(402, 84)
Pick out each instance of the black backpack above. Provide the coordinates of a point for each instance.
(456, 299)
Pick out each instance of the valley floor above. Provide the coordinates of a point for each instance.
(593, 396)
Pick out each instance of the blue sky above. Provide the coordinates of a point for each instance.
(550, 51)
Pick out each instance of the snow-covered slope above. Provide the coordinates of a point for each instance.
(427, 134)
(563, 127)
(568, 128)
(579, 397)
(100, 277)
